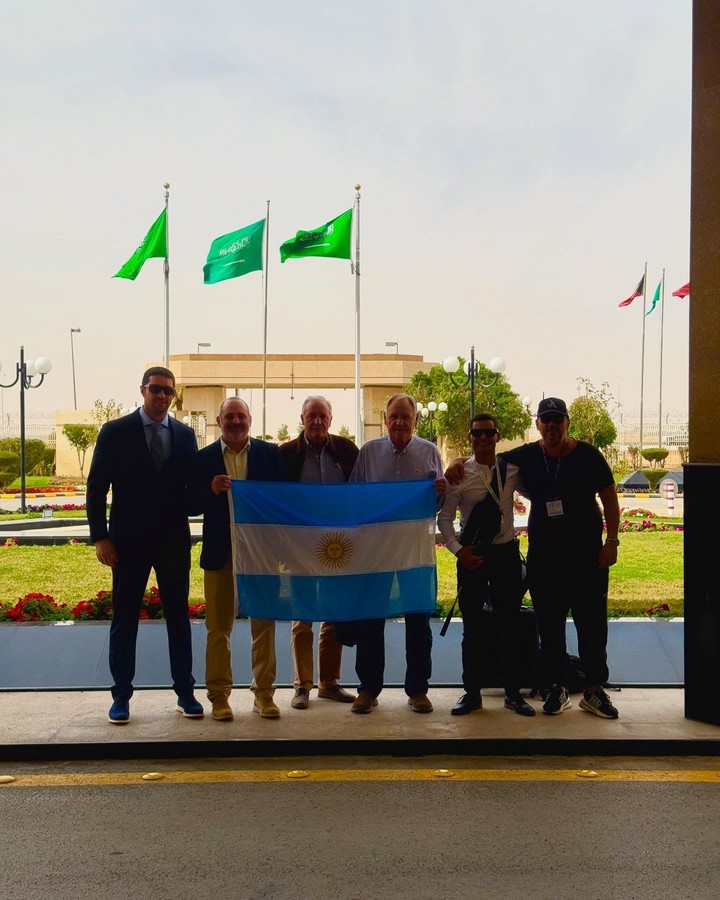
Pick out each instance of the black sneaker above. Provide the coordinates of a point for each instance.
(466, 704)
(557, 701)
(519, 705)
(598, 703)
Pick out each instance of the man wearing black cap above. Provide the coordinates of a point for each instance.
(568, 562)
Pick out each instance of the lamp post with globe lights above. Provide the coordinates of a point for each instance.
(428, 412)
(25, 371)
(472, 372)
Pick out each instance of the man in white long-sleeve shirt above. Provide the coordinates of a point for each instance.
(489, 566)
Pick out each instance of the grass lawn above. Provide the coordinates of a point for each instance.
(6, 516)
(649, 572)
(34, 481)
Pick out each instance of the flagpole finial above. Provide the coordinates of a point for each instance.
(357, 187)
(166, 185)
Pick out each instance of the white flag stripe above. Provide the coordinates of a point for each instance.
(304, 550)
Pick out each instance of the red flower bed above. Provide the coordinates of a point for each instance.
(34, 608)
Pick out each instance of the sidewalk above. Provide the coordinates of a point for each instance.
(73, 725)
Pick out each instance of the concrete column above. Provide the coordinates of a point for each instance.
(702, 474)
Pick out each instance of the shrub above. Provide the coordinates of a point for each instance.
(655, 454)
(9, 467)
(655, 476)
(101, 606)
(34, 608)
(35, 453)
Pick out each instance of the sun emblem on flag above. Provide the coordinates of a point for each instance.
(334, 550)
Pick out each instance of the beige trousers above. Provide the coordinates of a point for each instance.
(329, 655)
(220, 614)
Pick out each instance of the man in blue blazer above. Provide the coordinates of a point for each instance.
(233, 455)
(145, 457)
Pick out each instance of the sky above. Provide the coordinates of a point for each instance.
(520, 163)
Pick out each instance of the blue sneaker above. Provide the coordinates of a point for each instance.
(190, 707)
(119, 712)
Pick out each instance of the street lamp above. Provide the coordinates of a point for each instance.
(428, 412)
(393, 344)
(472, 370)
(25, 372)
(72, 357)
(203, 344)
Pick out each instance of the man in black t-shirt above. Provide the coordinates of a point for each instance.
(567, 560)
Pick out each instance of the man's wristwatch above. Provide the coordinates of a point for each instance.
(614, 542)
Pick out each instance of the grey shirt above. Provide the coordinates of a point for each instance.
(320, 468)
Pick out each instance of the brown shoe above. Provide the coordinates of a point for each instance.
(420, 703)
(266, 707)
(221, 710)
(364, 703)
(301, 700)
(335, 692)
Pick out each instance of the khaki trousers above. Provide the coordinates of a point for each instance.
(220, 611)
(329, 655)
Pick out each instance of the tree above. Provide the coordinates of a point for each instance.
(81, 437)
(500, 400)
(590, 417)
(345, 432)
(103, 412)
(283, 433)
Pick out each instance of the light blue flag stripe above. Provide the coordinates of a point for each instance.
(337, 597)
(266, 503)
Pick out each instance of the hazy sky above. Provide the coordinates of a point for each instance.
(520, 162)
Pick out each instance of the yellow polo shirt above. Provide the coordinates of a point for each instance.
(236, 463)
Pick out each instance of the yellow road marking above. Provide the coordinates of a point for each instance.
(256, 776)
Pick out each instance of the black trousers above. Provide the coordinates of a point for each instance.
(557, 592)
(170, 557)
(370, 655)
(499, 582)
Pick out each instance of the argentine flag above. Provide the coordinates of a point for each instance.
(333, 552)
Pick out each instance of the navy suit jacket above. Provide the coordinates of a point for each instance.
(145, 503)
(264, 464)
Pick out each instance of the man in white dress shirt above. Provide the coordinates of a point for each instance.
(489, 566)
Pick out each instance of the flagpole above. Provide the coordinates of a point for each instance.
(265, 320)
(642, 364)
(167, 274)
(358, 404)
(662, 329)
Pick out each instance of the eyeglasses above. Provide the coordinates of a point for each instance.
(487, 432)
(555, 418)
(160, 389)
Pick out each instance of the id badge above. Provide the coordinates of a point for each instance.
(554, 508)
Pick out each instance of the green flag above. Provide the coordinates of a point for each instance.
(330, 239)
(154, 244)
(235, 254)
(656, 298)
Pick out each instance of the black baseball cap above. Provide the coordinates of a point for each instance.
(552, 405)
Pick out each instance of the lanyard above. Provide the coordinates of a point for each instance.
(483, 477)
(552, 479)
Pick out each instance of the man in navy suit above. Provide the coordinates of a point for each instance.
(145, 457)
(233, 455)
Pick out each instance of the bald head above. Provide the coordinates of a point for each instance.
(234, 420)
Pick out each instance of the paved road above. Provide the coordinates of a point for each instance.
(529, 829)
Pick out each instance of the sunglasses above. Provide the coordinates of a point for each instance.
(555, 418)
(487, 432)
(160, 389)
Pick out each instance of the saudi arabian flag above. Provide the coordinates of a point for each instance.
(330, 239)
(154, 244)
(235, 254)
(656, 298)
